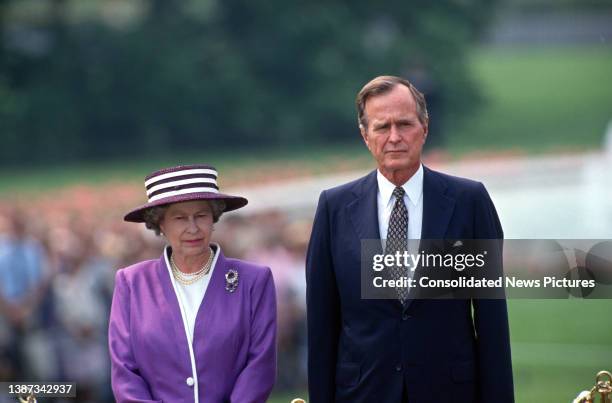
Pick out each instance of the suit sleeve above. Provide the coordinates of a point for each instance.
(127, 384)
(491, 317)
(256, 380)
(323, 309)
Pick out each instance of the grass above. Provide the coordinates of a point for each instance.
(558, 346)
(538, 99)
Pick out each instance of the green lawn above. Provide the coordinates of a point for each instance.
(539, 99)
(558, 346)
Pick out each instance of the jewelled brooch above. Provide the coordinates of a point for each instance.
(231, 280)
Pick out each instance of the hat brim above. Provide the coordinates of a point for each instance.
(231, 203)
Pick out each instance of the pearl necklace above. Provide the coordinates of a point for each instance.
(190, 278)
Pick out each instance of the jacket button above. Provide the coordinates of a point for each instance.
(398, 367)
(405, 316)
(189, 381)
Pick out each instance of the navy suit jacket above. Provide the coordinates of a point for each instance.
(362, 350)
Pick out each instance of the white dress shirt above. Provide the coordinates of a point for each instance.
(413, 199)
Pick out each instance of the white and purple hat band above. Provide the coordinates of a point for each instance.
(183, 183)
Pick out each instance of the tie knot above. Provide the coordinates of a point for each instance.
(399, 192)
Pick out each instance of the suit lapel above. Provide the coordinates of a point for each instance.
(363, 213)
(437, 206)
(363, 210)
(438, 209)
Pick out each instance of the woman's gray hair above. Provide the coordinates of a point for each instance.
(154, 215)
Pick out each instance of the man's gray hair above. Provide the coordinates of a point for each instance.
(382, 85)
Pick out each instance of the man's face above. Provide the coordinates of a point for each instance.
(394, 135)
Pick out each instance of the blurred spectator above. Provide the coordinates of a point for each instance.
(82, 301)
(23, 283)
(282, 247)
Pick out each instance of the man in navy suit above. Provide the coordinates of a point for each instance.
(400, 350)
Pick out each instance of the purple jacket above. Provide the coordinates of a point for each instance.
(234, 338)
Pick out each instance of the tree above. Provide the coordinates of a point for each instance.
(185, 74)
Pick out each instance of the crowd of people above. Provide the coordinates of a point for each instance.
(57, 270)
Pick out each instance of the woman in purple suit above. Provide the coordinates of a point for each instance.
(193, 325)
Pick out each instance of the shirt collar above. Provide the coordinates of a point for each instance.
(413, 187)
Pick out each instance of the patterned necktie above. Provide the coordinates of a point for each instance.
(397, 238)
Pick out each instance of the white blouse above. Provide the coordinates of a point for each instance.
(191, 296)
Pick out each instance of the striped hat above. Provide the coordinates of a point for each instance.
(183, 183)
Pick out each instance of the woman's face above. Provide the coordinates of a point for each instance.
(188, 227)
